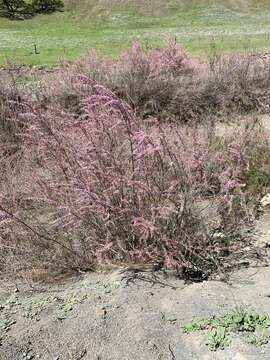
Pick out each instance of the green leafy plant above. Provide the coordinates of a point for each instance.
(252, 325)
(218, 338)
(196, 326)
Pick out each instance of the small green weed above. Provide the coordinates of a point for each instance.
(253, 326)
(35, 308)
(218, 338)
(68, 304)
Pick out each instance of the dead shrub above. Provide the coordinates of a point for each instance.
(14, 110)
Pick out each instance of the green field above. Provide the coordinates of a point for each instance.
(201, 27)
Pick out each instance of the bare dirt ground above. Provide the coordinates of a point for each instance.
(117, 316)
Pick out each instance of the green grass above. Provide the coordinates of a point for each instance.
(201, 27)
(252, 326)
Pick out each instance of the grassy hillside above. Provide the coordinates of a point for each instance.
(200, 26)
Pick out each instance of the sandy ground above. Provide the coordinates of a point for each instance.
(104, 317)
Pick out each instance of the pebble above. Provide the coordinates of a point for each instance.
(265, 201)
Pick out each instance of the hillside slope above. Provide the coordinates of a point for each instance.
(200, 26)
(161, 7)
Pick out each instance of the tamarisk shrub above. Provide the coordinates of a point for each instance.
(113, 185)
(168, 83)
(116, 189)
(144, 78)
(101, 185)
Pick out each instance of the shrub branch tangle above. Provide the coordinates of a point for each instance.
(118, 188)
(113, 187)
(167, 83)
